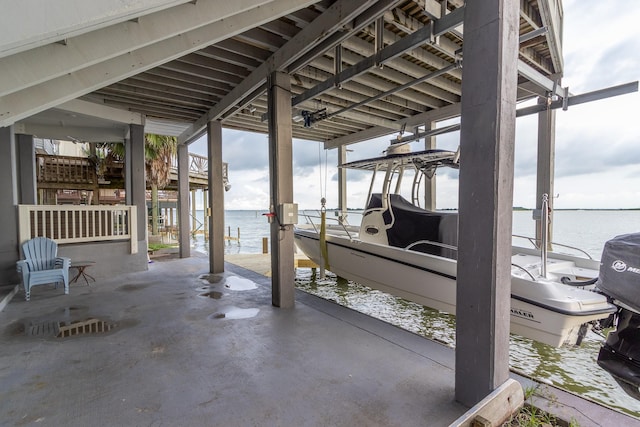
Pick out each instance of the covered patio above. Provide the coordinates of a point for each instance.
(335, 71)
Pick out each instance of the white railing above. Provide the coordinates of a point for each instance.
(79, 224)
(199, 165)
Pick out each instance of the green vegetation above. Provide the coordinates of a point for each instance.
(531, 416)
(156, 246)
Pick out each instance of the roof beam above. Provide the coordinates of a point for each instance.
(401, 70)
(151, 81)
(368, 85)
(359, 23)
(87, 108)
(47, 62)
(406, 43)
(396, 89)
(52, 22)
(16, 106)
(540, 80)
(153, 94)
(444, 113)
(551, 14)
(82, 133)
(336, 16)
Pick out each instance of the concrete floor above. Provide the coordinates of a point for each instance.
(174, 359)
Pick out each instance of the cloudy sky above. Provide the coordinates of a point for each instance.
(597, 144)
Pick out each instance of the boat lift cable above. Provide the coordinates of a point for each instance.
(324, 251)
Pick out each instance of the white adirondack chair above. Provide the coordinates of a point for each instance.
(42, 265)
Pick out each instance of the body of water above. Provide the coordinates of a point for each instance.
(570, 368)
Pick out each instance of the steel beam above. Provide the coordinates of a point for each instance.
(409, 42)
(443, 113)
(389, 52)
(365, 84)
(387, 78)
(358, 24)
(397, 89)
(396, 69)
(595, 95)
(534, 76)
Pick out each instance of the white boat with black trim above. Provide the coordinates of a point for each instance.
(410, 252)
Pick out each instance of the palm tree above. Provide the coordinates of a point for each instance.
(159, 149)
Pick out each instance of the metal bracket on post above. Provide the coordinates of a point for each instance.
(552, 95)
(432, 38)
(565, 99)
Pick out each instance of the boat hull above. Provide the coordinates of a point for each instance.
(554, 319)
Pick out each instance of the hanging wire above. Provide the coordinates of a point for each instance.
(323, 182)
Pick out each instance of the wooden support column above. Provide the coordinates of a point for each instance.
(9, 252)
(216, 198)
(27, 183)
(546, 163)
(135, 181)
(194, 219)
(95, 200)
(342, 183)
(281, 177)
(489, 80)
(205, 206)
(184, 235)
(430, 184)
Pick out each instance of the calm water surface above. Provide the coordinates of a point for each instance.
(571, 368)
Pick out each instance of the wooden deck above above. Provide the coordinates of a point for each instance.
(83, 173)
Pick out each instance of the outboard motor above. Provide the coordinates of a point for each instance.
(620, 280)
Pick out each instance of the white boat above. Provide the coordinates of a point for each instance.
(410, 252)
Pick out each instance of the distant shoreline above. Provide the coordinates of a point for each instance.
(517, 208)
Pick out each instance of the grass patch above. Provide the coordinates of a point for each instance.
(531, 416)
(156, 246)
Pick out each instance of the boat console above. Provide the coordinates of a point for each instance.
(410, 227)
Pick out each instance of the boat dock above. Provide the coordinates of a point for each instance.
(261, 263)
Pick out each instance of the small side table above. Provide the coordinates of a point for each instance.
(81, 266)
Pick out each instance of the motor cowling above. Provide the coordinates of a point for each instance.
(620, 279)
(620, 270)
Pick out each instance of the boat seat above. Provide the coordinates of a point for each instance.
(556, 267)
(410, 224)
